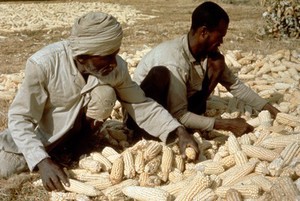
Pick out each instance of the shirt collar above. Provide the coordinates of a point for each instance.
(185, 44)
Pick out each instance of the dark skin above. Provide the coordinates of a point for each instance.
(204, 43)
(52, 174)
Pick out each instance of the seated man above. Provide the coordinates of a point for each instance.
(59, 81)
(182, 73)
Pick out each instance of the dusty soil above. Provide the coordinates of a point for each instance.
(172, 19)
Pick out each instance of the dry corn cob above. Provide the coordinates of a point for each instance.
(146, 193)
(240, 158)
(275, 167)
(175, 176)
(288, 187)
(166, 162)
(198, 184)
(90, 164)
(116, 190)
(238, 172)
(247, 191)
(265, 118)
(287, 119)
(280, 141)
(228, 161)
(86, 175)
(233, 144)
(129, 171)
(118, 135)
(262, 182)
(245, 139)
(259, 152)
(139, 163)
(190, 153)
(207, 195)
(210, 167)
(175, 188)
(179, 163)
(149, 180)
(152, 150)
(117, 171)
(289, 152)
(109, 151)
(262, 168)
(233, 195)
(153, 165)
(82, 188)
(106, 164)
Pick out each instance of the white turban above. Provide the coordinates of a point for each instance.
(95, 33)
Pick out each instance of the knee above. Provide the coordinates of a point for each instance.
(11, 163)
(159, 72)
(103, 99)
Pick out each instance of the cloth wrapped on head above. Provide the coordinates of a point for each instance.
(95, 33)
(100, 106)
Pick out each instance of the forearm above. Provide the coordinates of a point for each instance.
(194, 121)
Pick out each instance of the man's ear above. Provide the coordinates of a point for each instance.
(202, 31)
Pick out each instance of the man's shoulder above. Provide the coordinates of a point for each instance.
(51, 50)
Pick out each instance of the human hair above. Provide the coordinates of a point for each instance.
(208, 14)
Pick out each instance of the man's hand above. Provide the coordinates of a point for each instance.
(273, 110)
(186, 140)
(52, 175)
(237, 126)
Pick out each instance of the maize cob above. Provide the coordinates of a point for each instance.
(146, 193)
(216, 181)
(153, 165)
(82, 188)
(100, 184)
(210, 167)
(116, 190)
(109, 151)
(275, 167)
(179, 163)
(280, 141)
(149, 180)
(106, 164)
(241, 171)
(240, 158)
(247, 191)
(289, 152)
(262, 168)
(207, 195)
(198, 184)
(228, 161)
(62, 196)
(166, 162)
(117, 171)
(175, 188)
(289, 188)
(245, 139)
(139, 163)
(254, 122)
(86, 175)
(233, 195)
(152, 150)
(190, 153)
(176, 149)
(140, 145)
(175, 176)
(259, 152)
(233, 144)
(90, 164)
(265, 118)
(262, 182)
(129, 171)
(113, 158)
(262, 136)
(287, 119)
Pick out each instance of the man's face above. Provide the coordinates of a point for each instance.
(215, 37)
(100, 65)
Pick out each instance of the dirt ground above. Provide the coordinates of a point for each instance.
(172, 19)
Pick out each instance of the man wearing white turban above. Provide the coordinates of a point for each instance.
(65, 84)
